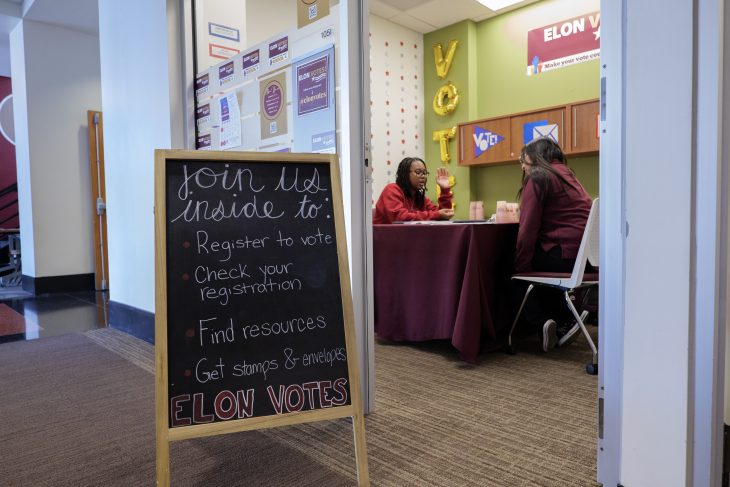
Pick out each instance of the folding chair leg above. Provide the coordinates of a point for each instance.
(594, 364)
(575, 329)
(510, 349)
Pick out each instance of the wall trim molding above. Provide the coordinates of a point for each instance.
(58, 284)
(134, 321)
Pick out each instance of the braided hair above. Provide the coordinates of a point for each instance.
(402, 179)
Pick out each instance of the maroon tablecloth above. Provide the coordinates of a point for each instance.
(444, 282)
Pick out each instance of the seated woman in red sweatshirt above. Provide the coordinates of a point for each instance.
(406, 200)
(554, 210)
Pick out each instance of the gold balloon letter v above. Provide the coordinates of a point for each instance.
(443, 65)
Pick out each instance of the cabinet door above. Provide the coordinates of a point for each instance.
(524, 128)
(485, 142)
(585, 137)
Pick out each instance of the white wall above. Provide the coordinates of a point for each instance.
(137, 105)
(22, 148)
(659, 203)
(396, 83)
(56, 74)
(228, 13)
(4, 56)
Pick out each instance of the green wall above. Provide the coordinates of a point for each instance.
(489, 68)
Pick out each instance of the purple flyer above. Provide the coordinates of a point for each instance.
(250, 62)
(203, 141)
(225, 73)
(279, 50)
(273, 99)
(202, 114)
(201, 84)
(312, 85)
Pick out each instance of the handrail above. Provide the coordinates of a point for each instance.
(9, 189)
(5, 191)
(7, 205)
(9, 218)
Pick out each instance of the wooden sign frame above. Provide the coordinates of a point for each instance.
(164, 433)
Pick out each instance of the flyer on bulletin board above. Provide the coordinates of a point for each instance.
(309, 11)
(230, 121)
(272, 93)
(314, 100)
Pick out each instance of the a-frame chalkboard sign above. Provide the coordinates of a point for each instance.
(253, 315)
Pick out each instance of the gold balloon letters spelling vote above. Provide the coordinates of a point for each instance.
(443, 137)
(447, 96)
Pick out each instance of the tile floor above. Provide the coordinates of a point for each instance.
(24, 316)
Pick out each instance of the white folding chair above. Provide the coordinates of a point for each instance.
(568, 283)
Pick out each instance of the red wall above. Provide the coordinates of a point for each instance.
(8, 175)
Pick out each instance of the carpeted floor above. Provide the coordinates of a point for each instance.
(78, 411)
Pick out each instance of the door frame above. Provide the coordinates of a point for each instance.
(353, 126)
(623, 31)
(98, 198)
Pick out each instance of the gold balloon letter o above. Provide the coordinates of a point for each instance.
(446, 99)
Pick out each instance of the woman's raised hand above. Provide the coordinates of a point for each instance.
(442, 178)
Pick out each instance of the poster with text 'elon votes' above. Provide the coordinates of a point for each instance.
(314, 113)
(564, 43)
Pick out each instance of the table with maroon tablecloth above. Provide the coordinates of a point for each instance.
(444, 281)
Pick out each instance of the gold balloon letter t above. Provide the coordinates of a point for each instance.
(443, 137)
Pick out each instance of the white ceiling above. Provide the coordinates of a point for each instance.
(420, 15)
(83, 15)
(427, 15)
(80, 15)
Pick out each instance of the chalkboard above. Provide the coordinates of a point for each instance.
(253, 312)
(255, 323)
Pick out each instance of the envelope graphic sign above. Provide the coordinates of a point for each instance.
(550, 130)
(528, 130)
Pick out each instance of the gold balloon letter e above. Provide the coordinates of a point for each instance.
(443, 65)
(443, 137)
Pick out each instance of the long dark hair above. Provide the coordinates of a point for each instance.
(542, 152)
(402, 179)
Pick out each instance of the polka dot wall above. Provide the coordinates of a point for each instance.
(396, 98)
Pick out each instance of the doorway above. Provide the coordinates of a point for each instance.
(237, 29)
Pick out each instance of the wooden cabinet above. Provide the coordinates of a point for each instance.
(584, 129)
(499, 140)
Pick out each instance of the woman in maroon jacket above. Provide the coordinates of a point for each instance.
(406, 200)
(554, 209)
